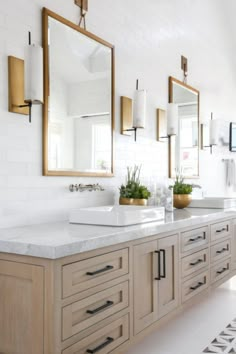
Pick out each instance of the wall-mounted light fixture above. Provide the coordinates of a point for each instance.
(167, 122)
(213, 134)
(25, 80)
(133, 113)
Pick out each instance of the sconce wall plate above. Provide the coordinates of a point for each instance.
(82, 3)
(126, 115)
(161, 125)
(16, 86)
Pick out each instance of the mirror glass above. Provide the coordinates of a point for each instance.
(79, 101)
(185, 146)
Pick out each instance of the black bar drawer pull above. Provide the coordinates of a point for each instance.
(196, 238)
(108, 267)
(222, 251)
(221, 230)
(197, 262)
(163, 275)
(197, 286)
(103, 307)
(222, 270)
(101, 346)
(159, 265)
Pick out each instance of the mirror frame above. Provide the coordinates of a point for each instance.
(46, 14)
(171, 152)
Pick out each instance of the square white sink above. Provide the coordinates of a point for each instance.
(118, 215)
(213, 203)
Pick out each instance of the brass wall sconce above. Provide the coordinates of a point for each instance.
(25, 80)
(133, 112)
(167, 122)
(213, 134)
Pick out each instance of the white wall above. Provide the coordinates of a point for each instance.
(149, 41)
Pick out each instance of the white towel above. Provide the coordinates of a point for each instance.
(230, 173)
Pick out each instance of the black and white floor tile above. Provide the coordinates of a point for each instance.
(225, 342)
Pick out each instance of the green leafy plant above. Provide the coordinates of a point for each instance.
(133, 188)
(180, 187)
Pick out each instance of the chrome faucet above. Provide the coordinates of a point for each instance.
(85, 187)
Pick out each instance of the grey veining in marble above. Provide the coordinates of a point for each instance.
(56, 240)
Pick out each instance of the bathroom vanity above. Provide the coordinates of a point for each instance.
(77, 289)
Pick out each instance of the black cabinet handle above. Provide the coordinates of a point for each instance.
(197, 286)
(103, 307)
(197, 262)
(164, 263)
(159, 265)
(196, 238)
(101, 346)
(222, 271)
(222, 251)
(221, 230)
(108, 267)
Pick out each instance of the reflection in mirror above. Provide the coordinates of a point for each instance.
(184, 148)
(78, 114)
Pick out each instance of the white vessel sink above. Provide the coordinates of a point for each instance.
(119, 215)
(213, 203)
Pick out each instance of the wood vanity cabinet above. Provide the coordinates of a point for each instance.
(155, 277)
(234, 245)
(104, 300)
(21, 308)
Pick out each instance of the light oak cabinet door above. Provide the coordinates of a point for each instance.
(21, 308)
(145, 285)
(168, 284)
(155, 280)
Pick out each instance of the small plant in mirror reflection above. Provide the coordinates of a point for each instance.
(180, 187)
(133, 188)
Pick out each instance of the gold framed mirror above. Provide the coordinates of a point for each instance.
(78, 115)
(184, 147)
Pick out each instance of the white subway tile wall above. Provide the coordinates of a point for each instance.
(149, 43)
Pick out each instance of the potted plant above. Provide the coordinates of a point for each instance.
(133, 192)
(182, 192)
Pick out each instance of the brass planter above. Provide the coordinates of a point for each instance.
(132, 201)
(182, 200)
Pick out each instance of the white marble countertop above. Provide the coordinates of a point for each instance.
(56, 240)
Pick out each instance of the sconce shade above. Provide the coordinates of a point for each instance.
(213, 132)
(34, 74)
(172, 119)
(139, 109)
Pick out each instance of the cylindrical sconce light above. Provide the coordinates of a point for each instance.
(34, 74)
(139, 109)
(213, 132)
(172, 119)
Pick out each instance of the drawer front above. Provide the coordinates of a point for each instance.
(194, 286)
(103, 341)
(221, 250)
(220, 230)
(195, 262)
(219, 271)
(82, 275)
(192, 239)
(89, 311)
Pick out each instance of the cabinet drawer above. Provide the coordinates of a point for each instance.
(89, 311)
(194, 286)
(194, 238)
(219, 271)
(82, 275)
(103, 341)
(220, 230)
(220, 250)
(195, 262)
